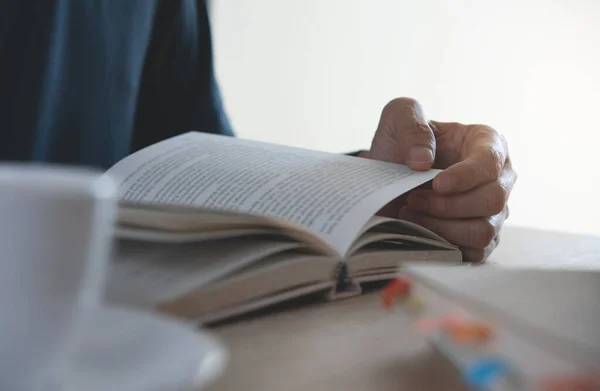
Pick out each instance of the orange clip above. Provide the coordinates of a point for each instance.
(396, 288)
(469, 332)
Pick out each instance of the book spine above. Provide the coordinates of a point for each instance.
(344, 286)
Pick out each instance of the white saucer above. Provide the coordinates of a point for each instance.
(130, 350)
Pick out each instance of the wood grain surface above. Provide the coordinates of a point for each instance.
(354, 344)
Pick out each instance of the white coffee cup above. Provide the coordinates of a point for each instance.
(56, 226)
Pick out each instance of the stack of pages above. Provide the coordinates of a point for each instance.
(214, 226)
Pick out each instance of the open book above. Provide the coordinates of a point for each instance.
(214, 226)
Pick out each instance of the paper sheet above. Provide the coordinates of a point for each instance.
(331, 195)
(144, 274)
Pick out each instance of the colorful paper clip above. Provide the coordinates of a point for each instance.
(486, 371)
(400, 287)
(469, 332)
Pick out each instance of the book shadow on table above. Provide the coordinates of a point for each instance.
(292, 304)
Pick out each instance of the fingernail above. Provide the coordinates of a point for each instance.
(417, 203)
(420, 155)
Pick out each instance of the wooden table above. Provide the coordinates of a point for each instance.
(355, 345)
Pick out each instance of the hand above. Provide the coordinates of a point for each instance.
(467, 202)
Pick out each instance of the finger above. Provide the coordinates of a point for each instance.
(403, 125)
(392, 207)
(477, 255)
(469, 233)
(486, 200)
(485, 156)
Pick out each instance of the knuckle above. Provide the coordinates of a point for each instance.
(482, 233)
(475, 255)
(489, 249)
(494, 157)
(473, 178)
(484, 131)
(406, 116)
(441, 206)
(507, 181)
(418, 131)
(456, 125)
(511, 175)
(402, 102)
(487, 130)
(495, 163)
(503, 141)
(496, 198)
(407, 109)
(479, 256)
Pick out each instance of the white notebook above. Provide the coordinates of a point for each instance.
(546, 324)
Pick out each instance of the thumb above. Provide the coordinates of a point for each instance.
(404, 136)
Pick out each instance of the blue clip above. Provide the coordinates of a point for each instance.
(485, 372)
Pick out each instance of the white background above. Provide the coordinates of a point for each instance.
(316, 73)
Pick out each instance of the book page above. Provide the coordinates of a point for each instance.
(270, 276)
(145, 273)
(331, 195)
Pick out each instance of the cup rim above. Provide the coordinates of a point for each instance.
(58, 179)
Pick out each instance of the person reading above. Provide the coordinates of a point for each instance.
(89, 83)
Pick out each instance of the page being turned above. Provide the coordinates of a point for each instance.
(331, 195)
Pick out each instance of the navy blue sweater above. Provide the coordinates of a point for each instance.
(88, 82)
